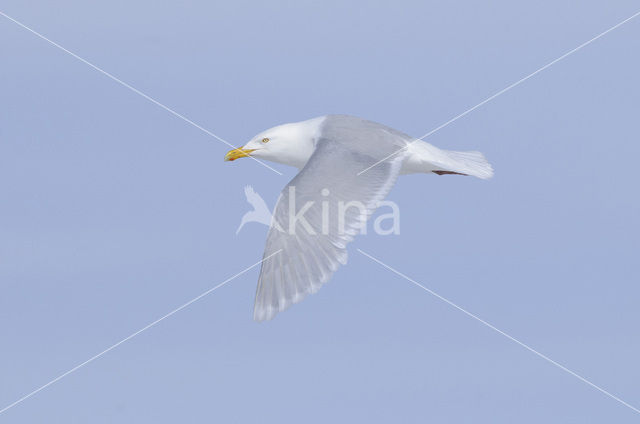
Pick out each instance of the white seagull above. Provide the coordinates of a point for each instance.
(341, 159)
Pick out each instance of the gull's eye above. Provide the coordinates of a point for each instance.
(265, 140)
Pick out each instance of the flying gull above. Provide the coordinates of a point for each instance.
(347, 166)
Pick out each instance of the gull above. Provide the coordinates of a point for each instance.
(260, 212)
(330, 199)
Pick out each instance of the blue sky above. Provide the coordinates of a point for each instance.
(114, 212)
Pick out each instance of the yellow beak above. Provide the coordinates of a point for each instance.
(237, 153)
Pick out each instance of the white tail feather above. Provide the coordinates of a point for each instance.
(468, 163)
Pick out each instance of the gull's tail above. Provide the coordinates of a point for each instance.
(425, 157)
(466, 163)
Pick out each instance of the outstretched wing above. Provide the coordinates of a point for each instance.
(321, 210)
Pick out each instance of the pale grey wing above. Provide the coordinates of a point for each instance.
(307, 256)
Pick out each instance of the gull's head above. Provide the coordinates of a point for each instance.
(290, 144)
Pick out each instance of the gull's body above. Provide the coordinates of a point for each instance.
(332, 152)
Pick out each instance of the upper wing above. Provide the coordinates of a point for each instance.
(314, 220)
